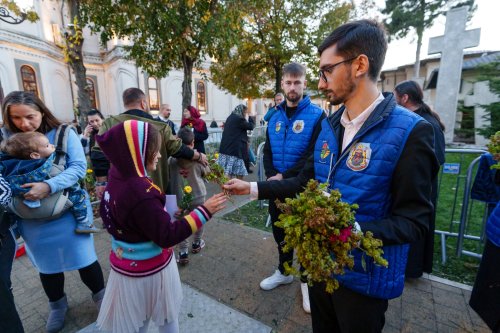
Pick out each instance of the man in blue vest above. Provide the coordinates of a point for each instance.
(378, 155)
(290, 136)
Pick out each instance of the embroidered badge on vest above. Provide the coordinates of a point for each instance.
(278, 127)
(359, 157)
(325, 151)
(298, 126)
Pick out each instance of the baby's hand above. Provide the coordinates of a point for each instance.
(215, 203)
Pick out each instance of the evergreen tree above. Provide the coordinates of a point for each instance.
(491, 73)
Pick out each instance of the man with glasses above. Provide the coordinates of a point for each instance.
(290, 136)
(378, 155)
(164, 116)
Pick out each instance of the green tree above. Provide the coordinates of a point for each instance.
(168, 34)
(405, 17)
(491, 73)
(274, 33)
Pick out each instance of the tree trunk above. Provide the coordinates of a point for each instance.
(278, 70)
(76, 63)
(187, 94)
(416, 67)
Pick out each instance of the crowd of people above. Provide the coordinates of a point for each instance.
(382, 151)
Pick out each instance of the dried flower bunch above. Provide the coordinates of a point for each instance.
(322, 230)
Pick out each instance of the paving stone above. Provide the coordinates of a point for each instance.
(391, 329)
(440, 285)
(416, 315)
(450, 299)
(417, 297)
(293, 327)
(453, 318)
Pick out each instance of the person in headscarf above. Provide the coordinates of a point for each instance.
(234, 143)
(191, 117)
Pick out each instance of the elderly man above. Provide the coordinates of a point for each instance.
(164, 115)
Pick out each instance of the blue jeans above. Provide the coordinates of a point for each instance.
(9, 318)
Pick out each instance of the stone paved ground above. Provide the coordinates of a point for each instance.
(229, 270)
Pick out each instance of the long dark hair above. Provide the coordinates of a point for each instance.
(416, 96)
(49, 121)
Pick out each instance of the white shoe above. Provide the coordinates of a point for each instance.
(305, 297)
(275, 280)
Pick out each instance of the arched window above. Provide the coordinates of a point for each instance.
(28, 77)
(154, 103)
(201, 98)
(90, 87)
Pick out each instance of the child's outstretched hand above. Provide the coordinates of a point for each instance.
(215, 203)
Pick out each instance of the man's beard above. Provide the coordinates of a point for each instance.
(344, 91)
(293, 99)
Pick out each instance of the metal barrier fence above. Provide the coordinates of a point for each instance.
(472, 218)
(256, 136)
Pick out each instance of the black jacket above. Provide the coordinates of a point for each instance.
(234, 137)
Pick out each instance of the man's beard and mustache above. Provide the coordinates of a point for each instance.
(342, 92)
(296, 97)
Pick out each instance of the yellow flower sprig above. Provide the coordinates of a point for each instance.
(187, 198)
(217, 174)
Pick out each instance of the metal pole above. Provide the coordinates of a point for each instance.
(465, 206)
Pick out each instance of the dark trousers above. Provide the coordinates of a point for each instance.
(345, 311)
(9, 318)
(485, 297)
(279, 237)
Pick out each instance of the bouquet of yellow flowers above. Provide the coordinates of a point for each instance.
(323, 231)
(494, 149)
(187, 198)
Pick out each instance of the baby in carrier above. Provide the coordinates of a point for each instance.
(31, 159)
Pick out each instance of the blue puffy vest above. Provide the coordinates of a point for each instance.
(362, 174)
(289, 138)
(493, 226)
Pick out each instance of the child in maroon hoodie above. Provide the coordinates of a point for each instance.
(144, 283)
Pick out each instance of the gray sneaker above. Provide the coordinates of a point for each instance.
(275, 280)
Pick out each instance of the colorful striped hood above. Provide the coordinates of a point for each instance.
(125, 147)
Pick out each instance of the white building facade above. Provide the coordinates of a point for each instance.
(30, 59)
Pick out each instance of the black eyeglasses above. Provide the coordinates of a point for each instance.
(330, 68)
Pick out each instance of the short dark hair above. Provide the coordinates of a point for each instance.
(132, 96)
(49, 121)
(294, 69)
(21, 145)
(94, 112)
(366, 37)
(186, 136)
